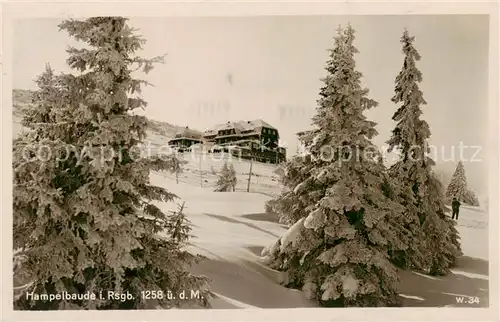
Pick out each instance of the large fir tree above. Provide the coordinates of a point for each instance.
(338, 251)
(457, 188)
(85, 214)
(418, 190)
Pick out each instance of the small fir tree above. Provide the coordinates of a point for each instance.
(337, 252)
(226, 180)
(179, 226)
(85, 214)
(49, 89)
(176, 165)
(457, 188)
(471, 199)
(222, 184)
(416, 188)
(232, 177)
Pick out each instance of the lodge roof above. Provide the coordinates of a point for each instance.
(240, 126)
(187, 133)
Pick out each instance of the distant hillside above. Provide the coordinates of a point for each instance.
(21, 98)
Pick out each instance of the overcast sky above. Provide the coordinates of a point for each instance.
(220, 69)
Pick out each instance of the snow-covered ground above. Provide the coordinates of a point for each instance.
(197, 191)
(232, 241)
(473, 229)
(219, 227)
(202, 167)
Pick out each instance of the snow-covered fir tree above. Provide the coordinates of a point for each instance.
(176, 165)
(458, 183)
(179, 226)
(226, 179)
(48, 90)
(337, 252)
(84, 212)
(294, 176)
(449, 244)
(232, 176)
(414, 182)
(457, 188)
(290, 205)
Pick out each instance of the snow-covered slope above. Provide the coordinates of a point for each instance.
(233, 244)
(203, 173)
(219, 226)
(473, 229)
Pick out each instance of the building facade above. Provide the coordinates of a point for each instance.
(185, 138)
(250, 139)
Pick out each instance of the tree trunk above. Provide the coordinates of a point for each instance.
(250, 174)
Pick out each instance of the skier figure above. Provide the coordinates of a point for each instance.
(455, 207)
